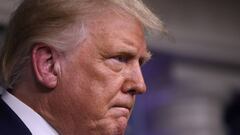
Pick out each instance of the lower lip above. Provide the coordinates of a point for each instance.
(121, 112)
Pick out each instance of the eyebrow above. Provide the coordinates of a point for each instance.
(146, 56)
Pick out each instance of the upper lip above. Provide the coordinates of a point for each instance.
(123, 102)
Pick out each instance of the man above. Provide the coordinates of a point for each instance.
(72, 67)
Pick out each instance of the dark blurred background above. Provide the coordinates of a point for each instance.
(194, 77)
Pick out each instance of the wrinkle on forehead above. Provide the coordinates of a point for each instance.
(110, 30)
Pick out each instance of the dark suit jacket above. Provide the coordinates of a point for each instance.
(10, 123)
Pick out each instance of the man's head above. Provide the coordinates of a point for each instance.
(77, 62)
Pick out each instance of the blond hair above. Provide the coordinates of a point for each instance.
(46, 21)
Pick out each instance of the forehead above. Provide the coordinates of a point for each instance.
(119, 28)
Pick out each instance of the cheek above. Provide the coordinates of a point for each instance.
(106, 85)
(94, 86)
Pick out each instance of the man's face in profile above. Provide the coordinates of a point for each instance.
(102, 75)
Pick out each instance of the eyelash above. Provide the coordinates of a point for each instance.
(125, 59)
(121, 58)
(141, 61)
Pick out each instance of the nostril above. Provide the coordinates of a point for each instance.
(134, 87)
(132, 92)
(137, 89)
(134, 84)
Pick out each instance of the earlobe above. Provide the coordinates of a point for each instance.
(44, 63)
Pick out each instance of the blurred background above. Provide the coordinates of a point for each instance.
(194, 77)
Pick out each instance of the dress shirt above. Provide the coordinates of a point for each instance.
(35, 123)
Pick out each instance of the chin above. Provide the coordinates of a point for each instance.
(120, 126)
(116, 131)
(112, 126)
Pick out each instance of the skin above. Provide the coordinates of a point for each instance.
(91, 89)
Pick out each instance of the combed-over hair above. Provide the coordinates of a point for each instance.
(52, 22)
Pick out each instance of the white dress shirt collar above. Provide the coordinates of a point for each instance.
(35, 123)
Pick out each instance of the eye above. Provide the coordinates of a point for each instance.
(121, 58)
(141, 61)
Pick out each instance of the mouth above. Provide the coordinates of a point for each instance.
(121, 111)
(123, 107)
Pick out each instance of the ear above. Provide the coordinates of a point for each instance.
(44, 62)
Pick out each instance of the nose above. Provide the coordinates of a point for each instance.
(135, 83)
